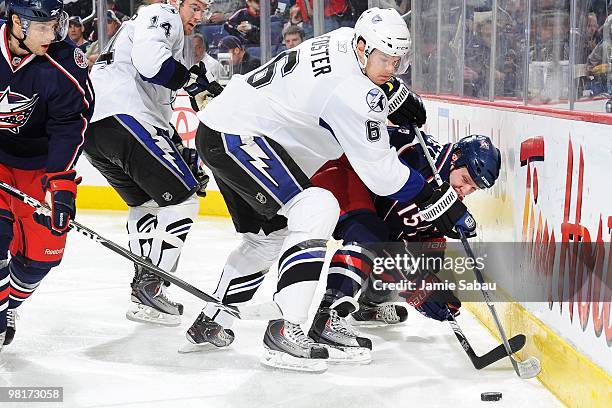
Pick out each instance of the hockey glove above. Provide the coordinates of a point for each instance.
(435, 304)
(444, 209)
(191, 159)
(405, 106)
(201, 81)
(60, 193)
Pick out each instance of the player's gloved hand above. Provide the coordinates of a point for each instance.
(405, 106)
(201, 81)
(191, 159)
(60, 193)
(435, 304)
(442, 207)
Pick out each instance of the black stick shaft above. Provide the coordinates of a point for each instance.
(118, 249)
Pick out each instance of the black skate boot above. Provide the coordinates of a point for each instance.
(370, 314)
(287, 347)
(11, 317)
(206, 334)
(342, 341)
(150, 302)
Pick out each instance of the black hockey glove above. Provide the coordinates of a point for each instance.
(60, 194)
(405, 106)
(435, 304)
(443, 208)
(201, 82)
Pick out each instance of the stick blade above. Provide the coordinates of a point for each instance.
(498, 353)
(529, 367)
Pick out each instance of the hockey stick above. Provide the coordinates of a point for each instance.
(528, 368)
(38, 206)
(516, 343)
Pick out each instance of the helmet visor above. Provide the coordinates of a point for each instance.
(52, 31)
(393, 65)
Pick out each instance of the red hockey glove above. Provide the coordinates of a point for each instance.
(60, 193)
(435, 304)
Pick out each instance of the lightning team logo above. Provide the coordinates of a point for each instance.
(259, 160)
(15, 109)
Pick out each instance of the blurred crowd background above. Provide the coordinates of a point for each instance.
(556, 53)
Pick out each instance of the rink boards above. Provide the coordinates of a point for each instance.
(554, 185)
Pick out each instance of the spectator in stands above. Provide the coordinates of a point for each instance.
(590, 36)
(112, 26)
(242, 61)
(337, 14)
(221, 10)
(295, 18)
(75, 32)
(244, 23)
(293, 36)
(200, 50)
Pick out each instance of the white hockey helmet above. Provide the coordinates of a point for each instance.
(386, 31)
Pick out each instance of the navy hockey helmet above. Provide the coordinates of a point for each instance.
(42, 11)
(481, 157)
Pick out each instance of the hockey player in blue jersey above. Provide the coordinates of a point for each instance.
(367, 220)
(45, 106)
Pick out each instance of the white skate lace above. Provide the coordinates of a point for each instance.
(11, 317)
(340, 325)
(294, 333)
(388, 313)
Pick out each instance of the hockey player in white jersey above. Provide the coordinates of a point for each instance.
(266, 135)
(132, 143)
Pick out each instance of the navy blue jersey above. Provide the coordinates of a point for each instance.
(45, 106)
(402, 218)
(232, 23)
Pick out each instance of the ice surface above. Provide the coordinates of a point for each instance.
(73, 333)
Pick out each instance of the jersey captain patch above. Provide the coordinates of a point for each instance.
(15, 109)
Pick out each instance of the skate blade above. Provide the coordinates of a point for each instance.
(348, 355)
(188, 347)
(283, 361)
(369, 323)
(147, 314)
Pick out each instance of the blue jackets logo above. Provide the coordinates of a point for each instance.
(15, 109)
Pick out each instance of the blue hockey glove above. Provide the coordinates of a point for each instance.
(60, 194)
(434, 304)
(201, 82)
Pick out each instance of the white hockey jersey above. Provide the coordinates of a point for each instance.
(139, 48)
(317, 104)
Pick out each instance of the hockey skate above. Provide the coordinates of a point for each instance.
(342, 341)
(9, 335)
(373, 315)
(205, 334)
(287, 347)
(150, 304)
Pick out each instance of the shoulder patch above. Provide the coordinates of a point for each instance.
(376, 100)
(80, 59)
(373, 130)
(169, 8)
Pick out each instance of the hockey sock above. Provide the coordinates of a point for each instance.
(4, 292)
(160, 232)
(23, 281)
(299, 269)
(244, 272)
(350, 267)
(6, 235)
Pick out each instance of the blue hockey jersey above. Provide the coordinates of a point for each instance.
(45, 106)
(403, 219)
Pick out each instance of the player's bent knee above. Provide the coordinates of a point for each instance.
(317, 212)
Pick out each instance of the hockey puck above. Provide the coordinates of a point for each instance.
(490, 396)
